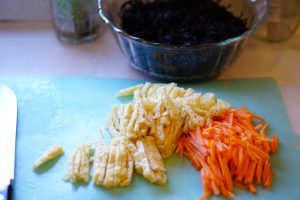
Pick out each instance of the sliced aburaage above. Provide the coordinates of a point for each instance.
(113, 164)
(79, 165)
(53, 152)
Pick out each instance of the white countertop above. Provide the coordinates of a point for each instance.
(32, 49)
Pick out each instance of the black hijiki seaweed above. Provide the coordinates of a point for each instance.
(180, 22)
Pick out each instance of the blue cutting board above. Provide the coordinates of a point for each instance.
(71, 111)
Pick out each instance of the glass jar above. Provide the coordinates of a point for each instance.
(282, 21)
(76, 21)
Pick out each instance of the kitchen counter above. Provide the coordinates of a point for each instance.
(32, 49)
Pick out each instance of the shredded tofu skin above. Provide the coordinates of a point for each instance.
(164, 111)
(79, 165)
(149, 162)
(53, 152)
(113, 164)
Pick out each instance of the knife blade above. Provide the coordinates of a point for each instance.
(8, 120)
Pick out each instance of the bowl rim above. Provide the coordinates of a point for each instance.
(162, 45)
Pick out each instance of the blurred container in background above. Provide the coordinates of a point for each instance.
(178, 62)
(282, 21)
(76, 21)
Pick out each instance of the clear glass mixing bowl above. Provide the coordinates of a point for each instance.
(184, 63)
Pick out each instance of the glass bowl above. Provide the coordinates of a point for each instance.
(184, 63)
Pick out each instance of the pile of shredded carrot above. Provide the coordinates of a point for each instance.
(232, 149)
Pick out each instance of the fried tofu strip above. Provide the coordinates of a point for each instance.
(119, 167)
(148, 161)
(120, 153)
(100, 163)
(129, 170)
(79, 165)
(113, 123)
(109, 174)
(153, 155)
(53, 152)
(129, 91)
(124, 162)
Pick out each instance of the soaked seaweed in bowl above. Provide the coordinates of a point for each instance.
(180, 22)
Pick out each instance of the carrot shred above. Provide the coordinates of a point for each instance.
(258, 127)
(230, 150)
(235, 155)
(240, 185)
(252, 188)
(225, 172)
(243, 171)
(250, 174)
(259, 152)
(259, 171)
(215, 188)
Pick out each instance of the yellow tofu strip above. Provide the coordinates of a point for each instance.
(109, 175)
(53, 152)
(100, 162)
(158, 177)
(136, 156)
(146, 169)
(153, 155)
(120, 151)
(129, 170)
(124, 167)
(79, 165)
(129, 91)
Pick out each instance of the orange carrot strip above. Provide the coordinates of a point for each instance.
(246, 111)
(263, 139)
(241, 157)
(214, 169)
(205, 183)
(266, 170)
(276, 141)
(252, 156)
(225, 192)
(215, 188)
(268, 181)
(266, 146)
(272, 146)
(240, 185)
(250, 173)
(263, 129)
(243, 170)
(257, 117)
(258, 127)
(235, 155)
(198, 130)
(225, 172)
(252, 188)
(263, 155)
(228, 153)
(229, 118)
(259, 171)
(213, 150)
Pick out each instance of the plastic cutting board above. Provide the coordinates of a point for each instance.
(71, 111)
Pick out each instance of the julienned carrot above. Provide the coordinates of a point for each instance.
(230, 150)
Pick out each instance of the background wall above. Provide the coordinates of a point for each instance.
(28, 10)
